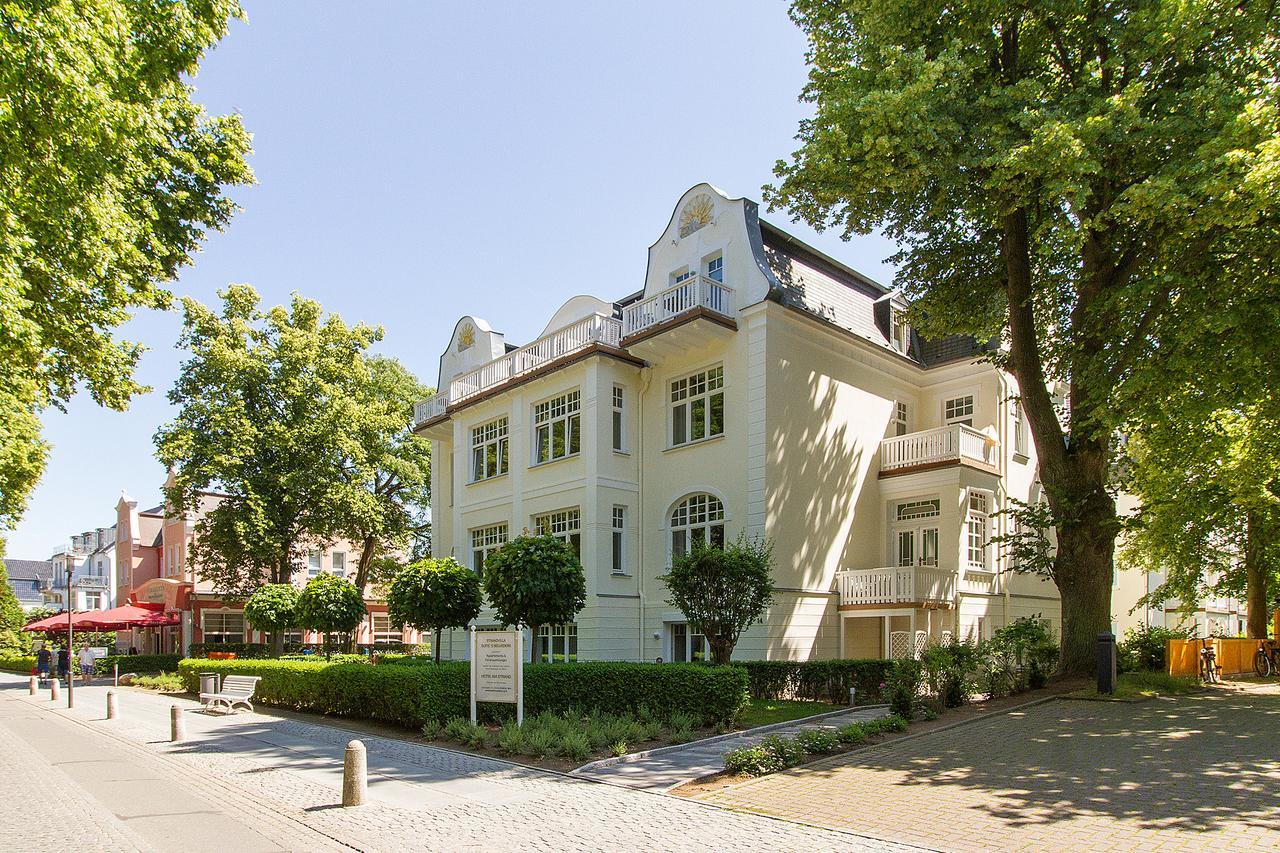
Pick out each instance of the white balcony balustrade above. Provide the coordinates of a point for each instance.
(896, 585)
(91, 582)
(949, 444)
(577, 336)
(689, 295)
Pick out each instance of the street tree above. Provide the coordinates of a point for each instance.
(434, 594)
(390, 468)
(329, 605)
(1063, 178)
(112, 176)
(722, 592)
(269, 410)
(273, 609)
(535, 581)
(1209, 514)
(12, 640)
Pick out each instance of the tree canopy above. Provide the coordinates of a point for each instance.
(273, 609)
(269, 414)
(111, 176)
(722, 592)
(330, 605)
(434, 594)
(1079, 181)
(535, 581)
(12, 640)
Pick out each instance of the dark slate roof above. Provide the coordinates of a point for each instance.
(29, 569)
(155, 510)
(949, 349)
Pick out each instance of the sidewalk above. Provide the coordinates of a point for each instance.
(664, 768)
(420, 798)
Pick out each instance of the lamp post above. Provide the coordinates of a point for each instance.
(71, 676)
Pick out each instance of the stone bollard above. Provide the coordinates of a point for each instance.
(53, 690)
(115, 674)
(1106, 662)
(355, 775)
(177, 725)
(33, 685)
(111, 705)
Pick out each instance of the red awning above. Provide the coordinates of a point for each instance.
(58, 621)
(128, 616)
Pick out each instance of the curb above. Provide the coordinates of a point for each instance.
(758, 730)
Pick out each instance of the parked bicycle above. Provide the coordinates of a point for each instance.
(1267, 659)
(1210, 672)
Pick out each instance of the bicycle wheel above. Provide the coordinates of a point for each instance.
(1262, 664)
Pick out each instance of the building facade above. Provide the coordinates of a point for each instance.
(752, 386)
(153, 546)
(89, 559)
(28, 578)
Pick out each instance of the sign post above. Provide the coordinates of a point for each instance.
(496, 671)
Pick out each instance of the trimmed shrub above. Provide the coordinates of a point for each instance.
(137, 663)
(413, 695)
(818, 680)
(1143, 648)
(241, 650)
(23, 664)
(903, 685)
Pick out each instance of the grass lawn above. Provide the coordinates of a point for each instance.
(762, 712)
(1131, 686)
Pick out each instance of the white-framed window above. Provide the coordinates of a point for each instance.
(223, 626)
(912, 510)
(687, 646)
(489, 452)
(976, 531)
(901, 332)
(900, 418)
(697, 406)
(698, 519)
(557, 644)
(715, 269)
(382, 631)
(484, 541)
(618, 538)
(313, 563)
(619, 411)
(682, 275)
(565, 525)
(958, 410)
(915, 532)
(557, 427)
(92, 600)
(1019, 429)
(338, 563)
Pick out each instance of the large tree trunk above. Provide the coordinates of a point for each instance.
(277, 643)
(368, 550)
(1083, 569)
(1256, 573)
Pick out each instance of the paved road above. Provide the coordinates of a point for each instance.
(1193, 773)
(677, 765)
(267, 773)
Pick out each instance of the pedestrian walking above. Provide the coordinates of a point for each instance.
(44, 658)
(64, 662)
(87, 657)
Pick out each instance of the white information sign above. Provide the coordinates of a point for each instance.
(496, 673)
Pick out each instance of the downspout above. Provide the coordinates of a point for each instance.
(646, 376)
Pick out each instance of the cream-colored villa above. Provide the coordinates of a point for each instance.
(754, 384)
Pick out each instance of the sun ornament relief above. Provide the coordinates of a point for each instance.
(466, 337)
(696, 214)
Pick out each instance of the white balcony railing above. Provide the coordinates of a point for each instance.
(91, 582)
(596, 329)
(690, 294)
(896, 585)
(954, 443)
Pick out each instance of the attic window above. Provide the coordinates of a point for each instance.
(901, 332)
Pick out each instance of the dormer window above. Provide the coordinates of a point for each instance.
(901, 331)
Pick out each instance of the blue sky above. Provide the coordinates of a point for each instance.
(420, 161)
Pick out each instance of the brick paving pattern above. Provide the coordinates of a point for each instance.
(1195, 773)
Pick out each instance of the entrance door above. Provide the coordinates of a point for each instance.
(917, 546)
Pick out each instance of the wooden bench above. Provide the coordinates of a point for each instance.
(236, 690)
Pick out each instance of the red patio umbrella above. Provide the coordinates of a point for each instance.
(128, 616)
(58, 622)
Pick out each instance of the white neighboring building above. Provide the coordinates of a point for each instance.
(752, 385)
(90, 558)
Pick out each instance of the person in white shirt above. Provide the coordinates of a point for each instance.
(87, 657)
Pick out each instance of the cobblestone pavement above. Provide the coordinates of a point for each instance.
(1197, 773)
(423, 798)
(673, 766)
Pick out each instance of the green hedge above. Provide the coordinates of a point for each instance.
(413, 695)
(819, 680)
(137, 663)
(22, 664)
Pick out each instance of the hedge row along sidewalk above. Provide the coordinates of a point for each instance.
(414, 694)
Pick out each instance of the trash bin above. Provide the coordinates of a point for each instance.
(209, 682)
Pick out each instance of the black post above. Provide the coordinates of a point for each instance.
(1106, 662)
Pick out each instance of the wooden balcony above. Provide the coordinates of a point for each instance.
(687, 299)
(904, 586)
(956, 444)
(547, 350)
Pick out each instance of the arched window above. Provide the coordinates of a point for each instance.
(696, 519)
